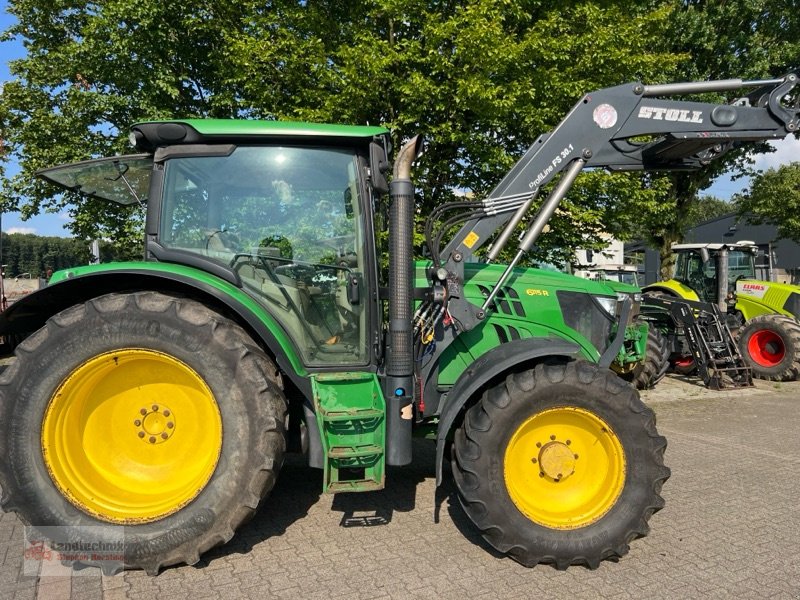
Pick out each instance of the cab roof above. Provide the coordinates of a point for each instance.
(148, 135)
(742, 245)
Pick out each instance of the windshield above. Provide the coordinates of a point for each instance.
(741, 265)
(289, 221)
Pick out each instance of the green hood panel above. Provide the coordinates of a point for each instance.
(528, 307)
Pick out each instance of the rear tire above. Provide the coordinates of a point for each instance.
(550, 507)
(652, 369)
(179, 395)
(770, 345)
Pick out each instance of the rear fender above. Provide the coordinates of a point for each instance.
(506, 358)
(30, 313)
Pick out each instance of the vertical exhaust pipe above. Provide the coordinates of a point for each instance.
(400, 358)
(722, 279)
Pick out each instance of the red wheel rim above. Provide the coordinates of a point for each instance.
(766, 348)
(684, 361)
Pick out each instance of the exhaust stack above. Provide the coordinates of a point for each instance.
(400, 359)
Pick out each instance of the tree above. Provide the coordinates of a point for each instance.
(481, 79)
(747, 39)
(774, 197)
(36, 255)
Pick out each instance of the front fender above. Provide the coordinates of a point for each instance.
(672, 288)
(503, 359)
(82, 284)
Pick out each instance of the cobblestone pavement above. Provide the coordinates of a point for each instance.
(731, 527)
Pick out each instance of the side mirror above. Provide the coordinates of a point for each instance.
(378, 167)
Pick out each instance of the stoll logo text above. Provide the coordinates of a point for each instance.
(670, 114)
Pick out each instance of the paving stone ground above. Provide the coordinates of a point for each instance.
(730, 529)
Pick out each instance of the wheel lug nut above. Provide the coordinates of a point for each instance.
(533, 460)
(170, 424)
(166, 413)
(152, 440)
(576, 456)
(137, 422)
(155, 407)
(143, 411)
(141, 434)
(568, 442)
(538, 444)
(164, 435)
(552, 437)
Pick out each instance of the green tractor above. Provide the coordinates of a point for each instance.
(763, 313)
(150, 403)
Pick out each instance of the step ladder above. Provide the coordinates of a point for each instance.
(351, 416)
(715, 352)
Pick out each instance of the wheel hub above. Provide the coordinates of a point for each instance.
(112, 445)
(578, 469)
(155, 424)
(766, 348)
(556, 460)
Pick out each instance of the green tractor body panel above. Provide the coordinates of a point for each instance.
(202, 278)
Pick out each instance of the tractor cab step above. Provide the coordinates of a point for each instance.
(351, 416)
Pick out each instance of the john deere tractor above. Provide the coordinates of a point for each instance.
(763, 313)
(151, 402)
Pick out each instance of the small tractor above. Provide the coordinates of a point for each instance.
(150, 403)
(628, 274)
(762, 313)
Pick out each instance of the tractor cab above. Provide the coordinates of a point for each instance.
(279, 209)
(712, 270)
(628, 274)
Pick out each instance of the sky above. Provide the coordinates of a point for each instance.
(53, 224)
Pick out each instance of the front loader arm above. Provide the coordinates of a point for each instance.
(627, 128)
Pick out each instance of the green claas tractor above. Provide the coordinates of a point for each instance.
(763, 313)
(150, 403)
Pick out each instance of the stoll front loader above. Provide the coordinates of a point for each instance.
(763, 313)
(151, 403)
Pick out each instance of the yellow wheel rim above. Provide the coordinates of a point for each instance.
(564, 468)
(132, 436)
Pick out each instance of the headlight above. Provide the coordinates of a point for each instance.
(607, 304)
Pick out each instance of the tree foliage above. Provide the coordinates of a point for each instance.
(736, 39)
(774, 197)
(27, 254)
(480, 79)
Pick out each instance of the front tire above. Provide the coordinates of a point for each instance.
(560, 464)
(140, 418)
(647, 373)
(770, 345)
